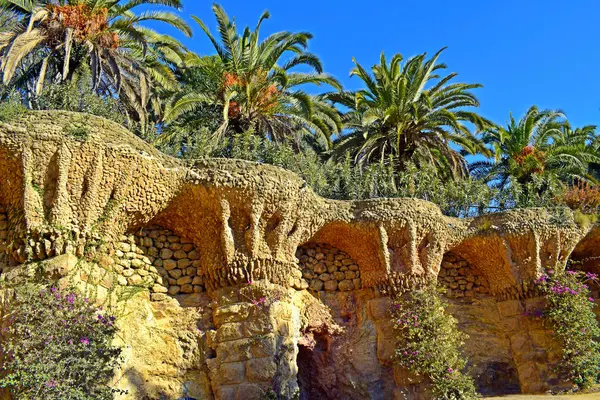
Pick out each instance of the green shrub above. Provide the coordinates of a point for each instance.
(56, 345)
(429, 342)
(11, 108)
(570, 314)
(77, 131)
(79, 95)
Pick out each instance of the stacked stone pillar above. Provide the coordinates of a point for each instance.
(255, 343)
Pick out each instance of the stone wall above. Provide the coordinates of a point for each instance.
(201, 317)
(255, 343)
(460, 278)
(157, 258)
(326, 268)
(4, 256)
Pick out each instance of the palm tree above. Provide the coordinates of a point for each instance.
(53, 37)
(255, 92)
(541, 143)
(411, 113)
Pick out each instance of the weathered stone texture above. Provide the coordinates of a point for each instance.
(235, 279)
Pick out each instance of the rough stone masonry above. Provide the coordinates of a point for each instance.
(233, 280)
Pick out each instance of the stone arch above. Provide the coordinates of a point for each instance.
(327, 268)
(461, 278)
(155, 257)
(360, 242)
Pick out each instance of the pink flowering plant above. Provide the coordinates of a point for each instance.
(570, 314)
(429, 343)
(259, 294)
(57, 345)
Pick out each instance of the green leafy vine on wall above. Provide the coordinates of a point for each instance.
(429, 343)
(570, 313)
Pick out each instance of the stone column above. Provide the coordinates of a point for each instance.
(536, 353)
(255, 343)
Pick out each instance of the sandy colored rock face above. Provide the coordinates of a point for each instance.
(235, 281)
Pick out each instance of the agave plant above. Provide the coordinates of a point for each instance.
(412, 113)
(255, 92)
(540, 143)
(55, 36)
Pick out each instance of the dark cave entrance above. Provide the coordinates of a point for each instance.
(315, 378)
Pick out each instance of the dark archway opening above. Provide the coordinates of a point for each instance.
(316, 377)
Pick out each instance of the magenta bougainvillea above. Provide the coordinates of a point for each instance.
(56, 344)
(570, 314)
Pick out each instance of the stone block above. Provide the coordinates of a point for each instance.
(159, 289)
(187, 289)
(184, 280)
(520, 344)
(175, 273)
(540, 338)
(316, 285)
(166, 254)
(260, 369)
(263, 346)
(158, 297)
(510, 308)
(231, 313)
(234, 350)
(339, 276)
(183, 263)
(331, 286)
(173, 239)
(197, 280)
(135, 280)
(380, 308)
(173, 290)
(226, 392)
(346, 285)
(257, 326)
(230, 331)
(247, 391)
(169, 264)
(179, 254)
(386, 342)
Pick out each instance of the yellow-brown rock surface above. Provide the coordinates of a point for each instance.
(234, 279)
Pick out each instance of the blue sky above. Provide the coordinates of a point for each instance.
(524, 52)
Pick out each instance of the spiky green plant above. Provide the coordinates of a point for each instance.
(541, 143)
(254, 92)
(51, 38)
(412, 112)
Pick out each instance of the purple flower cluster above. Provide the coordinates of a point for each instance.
(51, 384)
(106, 320)
(591, 276)
(409, 319)
(563, 289)
(71, 298)
(259, 302)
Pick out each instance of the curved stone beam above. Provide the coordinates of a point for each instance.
(66, 190)
(72, 181)
(587, 251)
(515, 247)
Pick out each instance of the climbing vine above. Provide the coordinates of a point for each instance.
(570, 313)
(429, 342)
